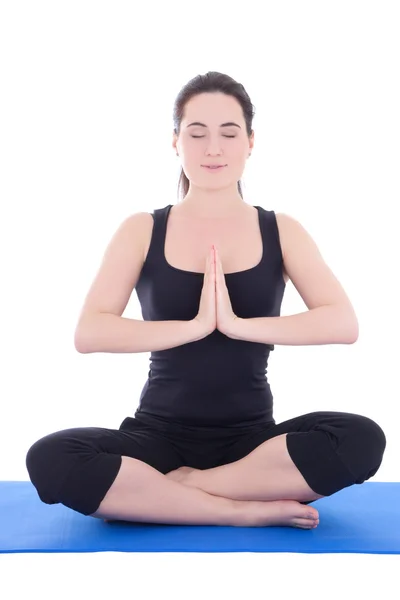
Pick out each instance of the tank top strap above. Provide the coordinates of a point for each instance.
(270, 234)
(157, 243)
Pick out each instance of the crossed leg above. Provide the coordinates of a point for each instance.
(267, 473)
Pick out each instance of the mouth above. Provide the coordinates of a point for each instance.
(216, 168)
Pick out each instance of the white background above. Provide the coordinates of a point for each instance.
(87, 91)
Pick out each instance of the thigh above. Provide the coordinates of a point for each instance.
(58, 453)
(337, 426)
(149, 445)
(77, 466)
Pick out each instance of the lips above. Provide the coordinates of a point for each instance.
(213, 168)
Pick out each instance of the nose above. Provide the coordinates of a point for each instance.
(214, 147)
(214, 150)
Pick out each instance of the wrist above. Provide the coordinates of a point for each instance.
(235, 327)
(197, 329)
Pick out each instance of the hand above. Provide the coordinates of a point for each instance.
(214, 298)
(224, 313)
(206, 317)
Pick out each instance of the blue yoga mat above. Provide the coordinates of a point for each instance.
(364, 519)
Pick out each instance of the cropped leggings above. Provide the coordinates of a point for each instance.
(76, 467)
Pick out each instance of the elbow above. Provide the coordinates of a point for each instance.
(84, 334)
(81, 342)
(353, 333)
(352, 339)
(347, 323)
(78, 344)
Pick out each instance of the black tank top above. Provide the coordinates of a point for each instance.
(216, 381)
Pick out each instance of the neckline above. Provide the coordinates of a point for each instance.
(202, 274)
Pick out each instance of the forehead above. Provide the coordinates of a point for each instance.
(213, 109)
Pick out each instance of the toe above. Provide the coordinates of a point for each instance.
(312, 514)
(305, 523)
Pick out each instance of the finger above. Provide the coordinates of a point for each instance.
(218, 264)
(214, 258)
(211, 269)
(218, 260)
(210, 258)
(216, 255)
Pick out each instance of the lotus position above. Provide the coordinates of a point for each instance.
(210, 271)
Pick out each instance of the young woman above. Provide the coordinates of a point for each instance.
(210, 274)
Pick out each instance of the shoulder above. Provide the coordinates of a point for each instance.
(291, 231)
(137, 221)
(135, 227)
(142, 220)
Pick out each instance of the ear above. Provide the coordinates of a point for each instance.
(251, 140)
(174, 140)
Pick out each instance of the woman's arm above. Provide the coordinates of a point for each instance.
(104, 332)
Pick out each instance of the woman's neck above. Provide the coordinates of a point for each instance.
(212, 209)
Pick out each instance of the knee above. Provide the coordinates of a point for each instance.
(369, 444)
(371, 434)
(69, 467)
(44, 465)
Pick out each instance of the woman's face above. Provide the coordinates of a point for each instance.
(213, 131)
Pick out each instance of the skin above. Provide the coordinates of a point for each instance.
(213, 196)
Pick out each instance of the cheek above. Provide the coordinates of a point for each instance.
(192, 149)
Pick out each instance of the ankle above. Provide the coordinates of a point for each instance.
(241, 513)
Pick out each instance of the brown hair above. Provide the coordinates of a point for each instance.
(211, 82)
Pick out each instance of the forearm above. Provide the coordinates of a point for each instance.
(323, 325)
(106, 332)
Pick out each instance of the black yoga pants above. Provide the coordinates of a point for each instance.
(76, 467)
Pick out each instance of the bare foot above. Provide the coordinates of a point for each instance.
(254, 513)
(276, 513)
(280, 513)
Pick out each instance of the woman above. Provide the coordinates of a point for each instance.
(210, 274)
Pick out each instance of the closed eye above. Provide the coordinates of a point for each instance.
(201, 136)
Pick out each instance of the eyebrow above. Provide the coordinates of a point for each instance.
(229, 124)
